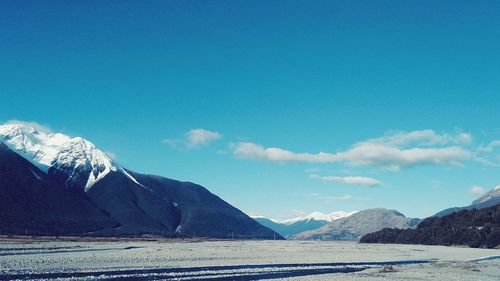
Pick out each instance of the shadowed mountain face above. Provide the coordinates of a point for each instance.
(48, 187)
(201, 213)
(292, 226)
(288, 230)
(473, 228)
(31, 203)
(358, 224)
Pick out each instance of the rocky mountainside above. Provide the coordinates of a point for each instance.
(32, 203)
(358, 224)
(489, 199)
(473, 228)
(52, 184)
(290, 227)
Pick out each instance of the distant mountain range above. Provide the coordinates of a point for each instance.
(290, 227)
(489, 199)
(473, 228)
(52, 184)
(356, 225)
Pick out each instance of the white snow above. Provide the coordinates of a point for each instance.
(492, 194)
(258, 217)
(47, 149)
(318, 216)
(131, 177)
(36, 175)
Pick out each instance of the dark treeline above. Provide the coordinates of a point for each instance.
(478, 228)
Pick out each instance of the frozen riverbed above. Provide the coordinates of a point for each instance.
(242, 260)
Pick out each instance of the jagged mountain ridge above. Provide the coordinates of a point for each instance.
(74, 162)
(290, 227)
(131, 203)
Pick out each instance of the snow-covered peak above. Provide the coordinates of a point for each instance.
(258, 217)
(318, 216)
(492, 194)
(76, 159)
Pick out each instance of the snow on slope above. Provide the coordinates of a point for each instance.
(46, 150)
(492, 194)
(318, 216)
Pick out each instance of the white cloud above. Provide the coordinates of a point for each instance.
(435, 184)
(194, 138)
(201, 137)
(356, 180)
(489, 147)
(477, 190)
(388, 152)
(35, 125)
(345, 197)
(422, 138)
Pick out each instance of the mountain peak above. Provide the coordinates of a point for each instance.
(490, 195)
(78, 161)
(319, 216)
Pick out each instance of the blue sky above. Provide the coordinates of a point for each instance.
(402, 97)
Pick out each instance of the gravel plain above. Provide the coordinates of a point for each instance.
(44, 259)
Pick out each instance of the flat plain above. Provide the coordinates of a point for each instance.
(157, 259)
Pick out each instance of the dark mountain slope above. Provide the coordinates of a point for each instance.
(79, 188)
(31, 203)
(474, 228)
(288, 230)
(138, 209)
(203, 213)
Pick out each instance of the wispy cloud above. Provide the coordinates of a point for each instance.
(422, 138)
(201, 137)
(194, 138)
(330, 198)
(391, 152)
(35, 125)
(477, 190)
(435, 184)
(356, 180)
(489, 147)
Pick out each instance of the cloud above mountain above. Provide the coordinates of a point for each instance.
(201, 137)
(477, 190)
(393, 151)
(37, 126)
(355, 180)
(194, 138)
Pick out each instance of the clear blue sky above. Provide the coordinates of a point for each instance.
(302, 76)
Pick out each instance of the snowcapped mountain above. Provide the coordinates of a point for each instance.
(292, 226)
(76, 162)
(318, 216)
(53, 184)
(490, 198)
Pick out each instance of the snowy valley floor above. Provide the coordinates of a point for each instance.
(241, 260)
